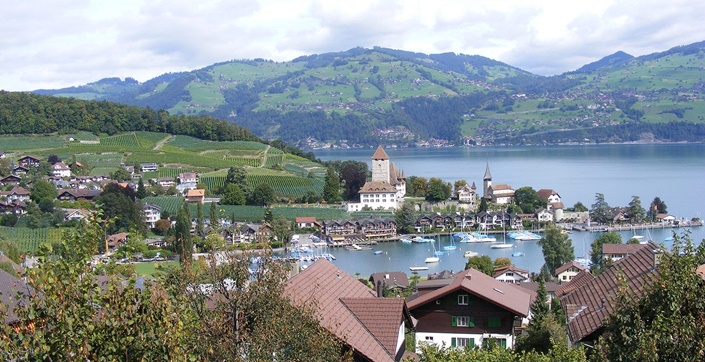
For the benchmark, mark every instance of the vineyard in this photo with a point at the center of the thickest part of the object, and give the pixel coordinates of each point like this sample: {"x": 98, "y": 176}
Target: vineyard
{"x": 22, "y": 143}
{"x": 212, "y": 182}
{"x": 170, "y": 204}
{"x": 195, "y": 145}
{"x": 287, "y": 185}
{"x": 125, "y": 140}
{"x": 149, "y": 139}
{"x": 100, "y": 159}
{"x": 28, "y": 240}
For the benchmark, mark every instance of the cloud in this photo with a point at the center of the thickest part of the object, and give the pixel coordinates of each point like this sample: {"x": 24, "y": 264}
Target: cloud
{"x": 52, "y": 44}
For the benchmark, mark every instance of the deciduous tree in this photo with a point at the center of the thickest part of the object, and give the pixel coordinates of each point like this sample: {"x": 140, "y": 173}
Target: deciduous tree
{"x": 599, "y": 263}
{"x": 483, "y": 263}
{"x": 557, "y": 248}
{"x": 600, "y": 210}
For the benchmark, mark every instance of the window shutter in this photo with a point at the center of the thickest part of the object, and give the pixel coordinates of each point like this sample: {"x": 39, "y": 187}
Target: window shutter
{"x": 452, "y": 341}
{"x": 453, "y": 321}
{"x": 472, "y": 343}
{"x": 471, "y": 324}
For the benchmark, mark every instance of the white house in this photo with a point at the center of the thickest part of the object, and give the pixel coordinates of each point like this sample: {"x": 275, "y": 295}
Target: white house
{"x": 511, "y": 275}
{"x": 60, "y": 169}
{"x": 467, "y": 194}
{"x": 149, "y": 167}
{"x": 188, "y": 177}
{"x": 568, "y": 271}
{"x": 152, "y": 213}
{"x": 544, "y": 215}
{"x": 550, "y": 195}
{"x": 502, "y": 194}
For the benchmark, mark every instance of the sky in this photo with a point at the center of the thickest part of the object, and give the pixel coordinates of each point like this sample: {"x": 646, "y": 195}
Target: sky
{"x": 48, "y": 44}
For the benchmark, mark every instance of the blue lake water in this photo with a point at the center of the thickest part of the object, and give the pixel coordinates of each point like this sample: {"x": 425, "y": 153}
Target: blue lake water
{"x": 673, "y": 172}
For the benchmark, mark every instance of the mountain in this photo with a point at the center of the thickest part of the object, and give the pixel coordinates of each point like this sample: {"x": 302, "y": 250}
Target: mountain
{"x": 369, "y": 96}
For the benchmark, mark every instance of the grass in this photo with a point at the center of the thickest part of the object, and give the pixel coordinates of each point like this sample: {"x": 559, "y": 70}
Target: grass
{"x": 148, "y": 269}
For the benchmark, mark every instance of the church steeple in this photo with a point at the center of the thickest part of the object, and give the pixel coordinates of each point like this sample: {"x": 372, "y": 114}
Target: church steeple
{"x": 487, "y": 183}
{"x": 487, "y": 176}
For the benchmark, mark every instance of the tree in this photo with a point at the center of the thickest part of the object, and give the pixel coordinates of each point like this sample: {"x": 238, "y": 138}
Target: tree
{"x": 268, "y": 215}
{"x": 528, "y": 200}
{"x": 232, "y": 195}
{"x": 182, "y": 234}
{"x": 353, "y": 175}
{"x": 213, "y": 215}
{"x": 5, "y": 166}
{"x": 635, "y": 211}
{"x": 199, "y": 220}
{"x": 438, "y": 190}
{"x": 418, "y": 186}
{"x": 53, "y": 159}
{"x": 281, "y": 230}
{"x": 502, "y": 263}
{"x": 331, "y": 188}
{"x": 557, "y": 248}
{"x": 162, "y": 226}
{"x": 141, "y": 190}
{"x": 263, "y": 194}
{"x": 579, "y": 207}
{"x": 9, "y": 248}
{"x": 483, "y": 205}
{"x": 483, "y": 263}
{"x": 657, "y": 207}
{"x": 121, "y": 204}
{"x": 459, "y": 184}
{"x": 120, "y": 175}
{"x": 238, "y": 176}
{"x": 42, "y": 190}
{"x": 600, "y": 210}
{"x": 664, "y": 323}
{"x": 544, "y": 330}
{"x": 405, "y": 217}
{"x": 599, "y": 263}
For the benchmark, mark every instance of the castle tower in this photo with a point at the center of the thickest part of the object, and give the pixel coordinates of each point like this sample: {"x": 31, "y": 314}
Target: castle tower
{"x": 380, "y": 165}
{"x": 487, "y": 183}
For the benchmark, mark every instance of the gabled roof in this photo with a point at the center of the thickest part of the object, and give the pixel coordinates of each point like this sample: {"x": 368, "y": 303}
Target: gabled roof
{"x": 578, "y": 281}
{"x": 390, "y": 279}
{"x": 377, "y": 187}
{"x": 511, "y": 268}
{"x": 587, "y": 307}
{"x": 305, "y": 219}
{"x": 349, "y": 309}
{"x": 545, "y": 193}
{"x": 196, "y": 193}
{"x": 380, "y": 154}
{"x": 621, "y": 248}
{"x": 501, "y": 187}
{"x": 568, "y": 265}
{"x": 504, "y": 295}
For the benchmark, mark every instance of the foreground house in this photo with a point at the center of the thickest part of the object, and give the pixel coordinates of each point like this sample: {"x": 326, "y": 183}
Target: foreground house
{"x": 370, "y": 326}
{"x": 588, "y": 306}
{"x": 470, "y": 309}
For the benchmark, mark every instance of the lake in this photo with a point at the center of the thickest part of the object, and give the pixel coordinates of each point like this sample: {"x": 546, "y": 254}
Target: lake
{"x": 673, "y": 172}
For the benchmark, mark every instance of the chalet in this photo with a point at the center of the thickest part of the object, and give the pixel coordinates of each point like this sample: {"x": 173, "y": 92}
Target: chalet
{"x": 20, "y": 170}
{"x": 588, "y": 306}
{"x": 370, "y": 327}
{"x": 548, "y": 194}
{"x": 149, "y": 167}
{"x": 188, "y": 177}
{"x": 28, "y": 161}
{"x": 618, "y": 214}
{"x": 544, "y": 215}
{"x": 78, "y": 194}
{"x": 130, "y": 170}
{"x": 10, "y": 180}
{"x": 390, "y": 280}
{"x": 568, "y": 271}
{"x": 116, "y": 240}
{"x": 307, "y": 222}
{"x": 252, "y": 233}
{"x": 13, "y": 207}
{"x": 616, "y": 252}
{"x": 60, "y": 169}
{"x": 152, "y": 213}
{"x": 16, "y": 194}
{"x": 337, "y": 230}
{"x": 377, "y": 227}
{"x": 511, "y": 274}
{"x": 469, "y": 310}
{"x": 197, "y": 195}
{"x": 76, "y": 214}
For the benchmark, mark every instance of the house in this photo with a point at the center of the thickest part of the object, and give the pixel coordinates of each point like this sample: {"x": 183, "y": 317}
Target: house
{"x": 17, "y": 194}
{"x": 387, "y": 188}
{"x": 665, "y": 219}
{"x": 502, "y": 194}
{"x": 468, "y": 194}
{"x": 76, "y": 214}
{"x": 10, "y": 180}
{"x": 197, "y": 195}
{"x": 252, "y": 233}
{"x": 548, "y": 194}
{"x": 390, "y": 280}
{"x": 307, "y": 222}
{"x": 116, "y": 240}
{"x": 78, "y": 194}
{"x": 568, "y": 271}
{"x": 188, "y": 177}
{"x": 578, "y": 281}
{"x": 511, "y": 274}
{"x": 544, "y": 215}
{"x": 152, "y": 213}
{"x": 616, "y": 252}
{"x": 471, "y": 309}
{"x": 20, "y": 170}
{"x": 370, "y": 327}
{"x": 60, "y": 169}
{"x": 166, "y": 182}
{"x": 129, "y": 169}
{"x": 551, "y": 288}
{"x": 588, "y": 306}
{"x": 27, "y": 161}
{"x": 149, "y": 167}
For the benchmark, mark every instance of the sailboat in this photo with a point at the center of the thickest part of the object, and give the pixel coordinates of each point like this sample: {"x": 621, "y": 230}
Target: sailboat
{"x": 504, "y": 244}
{"x": 451, "y": 246}
{"x": 438, "y": 252}
{"x": 434, "y": 258}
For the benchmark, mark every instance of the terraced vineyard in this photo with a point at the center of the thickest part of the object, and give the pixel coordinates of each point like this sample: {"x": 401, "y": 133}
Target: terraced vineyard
{"x": 170, "y": 204}
{"x": 28, "y": 240}
{"x": 125, "y": 140}
{"x": 287, "y": 185}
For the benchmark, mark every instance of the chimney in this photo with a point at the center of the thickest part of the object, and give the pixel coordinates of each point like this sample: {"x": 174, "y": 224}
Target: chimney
{"x": 379, "y": 289}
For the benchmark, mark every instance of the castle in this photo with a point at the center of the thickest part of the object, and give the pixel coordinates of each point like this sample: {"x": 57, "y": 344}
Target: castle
{"x": 387, "y": 188}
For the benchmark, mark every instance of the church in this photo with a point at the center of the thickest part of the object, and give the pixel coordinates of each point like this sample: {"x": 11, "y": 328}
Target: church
{"x": 387, "y": 188}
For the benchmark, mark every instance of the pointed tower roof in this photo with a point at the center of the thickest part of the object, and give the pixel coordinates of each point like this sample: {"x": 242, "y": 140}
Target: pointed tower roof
{"x": 488, "y": 176}
{"x": 380, "y": 154}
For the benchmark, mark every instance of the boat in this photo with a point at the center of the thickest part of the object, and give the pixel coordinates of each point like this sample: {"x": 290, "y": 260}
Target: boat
{"x": 518, "y": 253}
{"x": 483, "y": 238}
{"x": 378, "y": 252}
{"x": 449, "y": 247}
{"x": 420, "y": 239}
{"x": 504, "y": 244}
{"x": 418, "y": 268}
{"x": 470, "y": 253}
{"x": 355, "y": 247}
{"x": 405, "y": 240}
{"x": 434, "y": 258}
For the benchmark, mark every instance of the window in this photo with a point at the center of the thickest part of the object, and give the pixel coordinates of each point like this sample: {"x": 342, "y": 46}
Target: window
{"x": 462, "y": 342}
{"x": 463, "y": 299}
{"x": 494, "y": 322}
{"x": 462, "y": 321}
{"x": 438, "y": 302}
{"x": 487, "y": 342}
{"x": 429, "y": 338}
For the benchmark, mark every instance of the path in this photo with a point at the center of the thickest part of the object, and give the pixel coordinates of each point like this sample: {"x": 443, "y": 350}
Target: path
{"x": 162, "y": 142}
{"x": 264, "y": 157}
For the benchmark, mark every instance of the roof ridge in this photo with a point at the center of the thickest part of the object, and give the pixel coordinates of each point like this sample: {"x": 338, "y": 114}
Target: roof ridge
{"x": 357, "y": 318}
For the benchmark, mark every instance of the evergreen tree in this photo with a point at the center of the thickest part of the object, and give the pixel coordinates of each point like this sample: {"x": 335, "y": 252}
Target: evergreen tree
{"x": 600, "y": 210}
{"x": 331, "y": 188}
{"x": 405, "y": 217}
{"x": 141, "y": 190}
{"x": 238, "y": 176}
{"x": 199, "y": 220}
{"x": 213, "y": 216}
{"x": 483, "y": 205}
{"x": 635, "y": 211}
{"x": 182, "y": 234}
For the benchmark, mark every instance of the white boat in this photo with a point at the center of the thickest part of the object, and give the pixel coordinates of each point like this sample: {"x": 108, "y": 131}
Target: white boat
{"x": 502, "y": 246}
{"x": 470, "y": 254}
{"x": 432, "y": 259}
{"x": 418, "y": 268}
{"x": 405, "y": 241}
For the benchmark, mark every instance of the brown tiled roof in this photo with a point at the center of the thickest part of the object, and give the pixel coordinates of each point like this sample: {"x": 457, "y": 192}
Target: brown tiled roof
{"x": 305, "y": 219}
{"x": 587, "y": 307}
{"x": 501, "y": 187}
{"x": 380, "y": 154}
{"x": 621, "y": 248}
{"x": 507, "y": 296}
{"x": 511, "y": 268}
{"x": 551, "y": 287}
{"x": 341, "y": 301}
{"x": 377, "y": 186}
{"x": 9, "y": 286}
{"x": 568, "y": 265}
{"x": 390, "y": 279}
{"x": 545, "y": 193}
{"x": 578, "y": 281}
{"x": 196, "y": 193}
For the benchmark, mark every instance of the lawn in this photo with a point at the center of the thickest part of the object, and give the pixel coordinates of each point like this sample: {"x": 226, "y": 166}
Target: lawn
{"x": 150, "y": 268}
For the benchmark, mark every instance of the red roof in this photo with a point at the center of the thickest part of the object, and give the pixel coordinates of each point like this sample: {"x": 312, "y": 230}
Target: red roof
{"x": 578, "y": 281}
{"x": 568, "y": 265}
{"x": 504, "y": 295}
{"x": 621, "y": 248}
{"x": 377, "y": 187}
{"x": 380, "y": 154}
{"x": 349, "y": 309}
{"x": 305, "y": 219}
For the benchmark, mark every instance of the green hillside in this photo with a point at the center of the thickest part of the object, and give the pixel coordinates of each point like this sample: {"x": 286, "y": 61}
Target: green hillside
{"x": 379, "y": 95}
